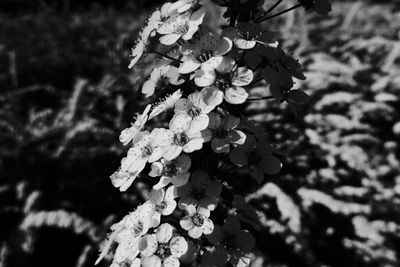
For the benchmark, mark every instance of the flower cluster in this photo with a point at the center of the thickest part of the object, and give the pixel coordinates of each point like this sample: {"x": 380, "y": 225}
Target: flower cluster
{"x": 189, "y": 217}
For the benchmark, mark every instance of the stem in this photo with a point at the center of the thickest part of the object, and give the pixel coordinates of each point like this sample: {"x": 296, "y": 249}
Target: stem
{"x": 269, "y": 10}
{"x": 261, "y": 98}
{"x": 166, "y": 56}
{"x": 280, "y": 13}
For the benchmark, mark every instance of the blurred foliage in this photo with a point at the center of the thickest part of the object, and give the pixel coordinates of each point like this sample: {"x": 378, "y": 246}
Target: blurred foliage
{"x": 66, "y": 93}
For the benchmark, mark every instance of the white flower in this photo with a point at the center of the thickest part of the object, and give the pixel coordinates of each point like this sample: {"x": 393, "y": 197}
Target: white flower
{"x": 205, "y": 53}
{"x": 163, "y": 203}
{"x": 131, "y": 133}
{"x": 168, "y": 72}
{"x": 181, "y": 26}
{"x": 139, "y": 154}
{"x": 182, "y": 135}
{"x": 162, "y": 248}
{"x": 196, "y": 222}
{"x": 175, "y": 171}
{"x": 230, "y": 80}
{"x": 184, "y": 5}
{"x": 165, "y": 104}
{"x": 196, "y": 108}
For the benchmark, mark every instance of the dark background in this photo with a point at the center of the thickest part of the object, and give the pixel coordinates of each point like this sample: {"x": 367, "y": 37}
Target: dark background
{"x": 66, "y": 93}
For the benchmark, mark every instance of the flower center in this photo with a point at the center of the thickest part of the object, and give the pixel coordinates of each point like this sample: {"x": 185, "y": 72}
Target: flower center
{"x": 163, "y": 250}
{"x": 138, "y": 229}
{"x": 194, "y": 112}
{"x": 160, "y": 207}
{"x": 171, "y": 170}
{"x": 147, "y": 151}
{"x": 181, "y": 139}
{"x": 197, "y": 220}
{"x": 223, "y": 81}
{"x": 204, "y": 56}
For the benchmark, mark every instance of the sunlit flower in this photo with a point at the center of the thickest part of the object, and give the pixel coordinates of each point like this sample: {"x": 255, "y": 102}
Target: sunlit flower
{"x": 181, "y": 26}
{"x": 162, "y": 248}
{"x": 205, "y": 53}
{"x": 127, "y": 234}
{"x": 163, "y": 202}
{"x": 247, "y": 35}
{"x": 139, "y": 154}
{"x": 231, "y": 243}
{"x": 182, "y": 135}
{"x": 131, "y": 133}
{"x": 181, "y": 6}
{"x": 195, "y": 107}
{"x": 201, "y": 191}
{"x": 224, "y": 132}
{"x": 167, "y": 103}
{"x": 230, "y": 80}
{"x": 175, "y": 172}
{"x": 196, "y": 222}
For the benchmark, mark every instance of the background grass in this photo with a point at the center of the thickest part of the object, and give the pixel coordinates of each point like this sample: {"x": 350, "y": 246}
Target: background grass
{"x": 66, "y": 93}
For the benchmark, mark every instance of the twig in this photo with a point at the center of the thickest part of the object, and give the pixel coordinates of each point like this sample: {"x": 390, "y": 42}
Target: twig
{"x": 260, "y": 98}
{"x": 269, "y": 10}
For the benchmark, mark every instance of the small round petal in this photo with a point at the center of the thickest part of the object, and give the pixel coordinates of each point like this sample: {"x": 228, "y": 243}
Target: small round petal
{"x": 236, "y": 95}
{"x": 230, "y": 122}
{"x": 178, "y": 246}
{"x": 171, "y": 262}
{"x": 183, "y": 105}
{"x": 148, "y": 245}
{"x": 242, "y": 76}
{"x": 219, "y": 255}
{"x": 223, "y": 47}
{"x": 212, "y": 64}
{"x": 220, "y": 145}
{"x": 162, "y": 137}
{"x": 212, "y": 96}
{"x": 172, "y": 152}
{"x": 171, "y": 205}
{"x": 245, "y": 44}
{"x": 186, "y": 223}
{"x": 208, "y": 226}
{"x": 156, "y": 169}
{"x": 195, "y": 232}
{"x": 206, "y": 135}
{"x": 156, "y": 196}
{"x": 189, "y": 65}
{"x": 164, "y": 181}
{"x": 193, "y": 145}
{"x": 200, "y": 179}
{"x": 152, "y": 261}
{"x": 270, "y": 165}
{"x": 170, "y": 38}
{"x": 209, "y": 203}
{"x": 155, "y": 219}
{"x": 156, "y": 155}
{"x": 171, "y": 193}
{"x": 239, "y": 157}
{"x": 227, "y": 65}
{"x": 187, "y": 203}
{"x": 164, "y": 233}
{"x": 203, "y": 211}
{"x": 198, "y": 124}
{"x": 136, "y": 263}
{"x": 214, "y": 120}
{"x": 190, "y": 254}
{"x": 236, "y": 137}
{"x": 180, "y": 180}
{"x": 213, "y": 189}
{"x": 180, "y": 122}
{"x": 204, "y": 78}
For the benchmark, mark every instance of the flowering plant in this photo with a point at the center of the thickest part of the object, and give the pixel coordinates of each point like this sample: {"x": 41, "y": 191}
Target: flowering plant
{"x": 195, "y": 214}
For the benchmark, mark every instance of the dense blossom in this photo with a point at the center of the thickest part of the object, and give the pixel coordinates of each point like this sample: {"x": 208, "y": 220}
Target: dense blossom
{"x": 193, "y": 210}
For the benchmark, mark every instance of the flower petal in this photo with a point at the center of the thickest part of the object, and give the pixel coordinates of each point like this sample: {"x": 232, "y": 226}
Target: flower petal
{"x": 180, "y": 180}
{"x": 212, "y": 63}
{"x": 156, "y": 196}
{"x": 209, "y": 203}
{"x": 152, "y": 261}
{"x": 223, "y": 47}
{"x": 148, "y": 245}
{"x": 226, "y": 66}
{"x": 204, "y": 78}
{"x": 189, "y": 65}
{"x": 178, "y": 246}
{"x": 164, "y": 232}
{"x": 212, "y": 96}
{"x": 208, "y": 226}
{"x": 170, "y": 38}
{"x": 245, "y": 44}
{"x": 215, "y": 120}
{"x": 217, "y": 236}
{"x": 236, "y": 95}
{"x": 186, "y": 223}
{"x": 242, "y": 76}
{"x": 183, "y": 105}
{"x": 171, "y": 205}
{"x": 187, "y": 203}
{"x": 180, "y": 122}
{"x": 193, "y": 145}
{"x": 236, "y": 137}
{"x": 195, "y": 232}
{"x": 172, "y": 152}
{"x": 156, "y": 169}
{"x": 171, "y": 261}
{"x": 232, "y": 225}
